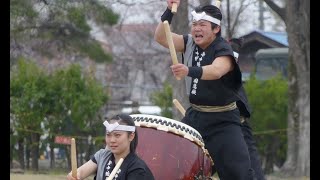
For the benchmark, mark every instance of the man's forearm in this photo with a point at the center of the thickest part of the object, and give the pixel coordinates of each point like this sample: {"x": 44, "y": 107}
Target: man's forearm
{"x": 160, "y": 35}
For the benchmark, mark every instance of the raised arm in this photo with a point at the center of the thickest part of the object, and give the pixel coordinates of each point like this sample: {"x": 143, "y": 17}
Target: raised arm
{"x": 160, "y": 35}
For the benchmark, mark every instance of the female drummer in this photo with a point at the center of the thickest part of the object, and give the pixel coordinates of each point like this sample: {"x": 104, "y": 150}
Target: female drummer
{"x": 121, "y": 139}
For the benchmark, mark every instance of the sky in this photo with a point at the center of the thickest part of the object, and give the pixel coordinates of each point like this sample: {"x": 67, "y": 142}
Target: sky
{"x": 149, "y": 11}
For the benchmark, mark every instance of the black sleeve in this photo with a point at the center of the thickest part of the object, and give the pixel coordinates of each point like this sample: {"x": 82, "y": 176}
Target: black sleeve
{"x": 233, "y": 78}
{"x": 93, "y": 159}
{"x": 243, "y": 103}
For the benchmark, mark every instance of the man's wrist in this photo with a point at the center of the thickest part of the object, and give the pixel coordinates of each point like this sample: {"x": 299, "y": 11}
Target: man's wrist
{"x": 167, "y": 16}
{"x": 195, "y": 72}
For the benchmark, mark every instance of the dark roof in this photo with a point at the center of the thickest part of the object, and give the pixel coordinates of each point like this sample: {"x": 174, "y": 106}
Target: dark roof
{"x": 279, "y": 38}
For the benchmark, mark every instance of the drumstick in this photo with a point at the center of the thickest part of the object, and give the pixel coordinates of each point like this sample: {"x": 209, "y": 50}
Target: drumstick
{"x": 73, "y": 158}
{"x": 114, "y": 171}
{"x": 174, "y": 8}
{"x": 170, "y": 43}
{"x": 218, "y": 3}
{"x": 179, "y": 106}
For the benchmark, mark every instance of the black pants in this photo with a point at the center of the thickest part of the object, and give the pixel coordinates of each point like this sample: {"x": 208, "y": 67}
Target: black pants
{"x": 254, "y": 155}
{"x": 253, "y": 152}
{"x": 225, "y": 142}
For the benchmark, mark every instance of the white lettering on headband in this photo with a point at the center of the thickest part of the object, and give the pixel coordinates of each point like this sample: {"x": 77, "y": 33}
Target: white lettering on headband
{"x": 117, "y": 127}
{"x": 204, "y": 16}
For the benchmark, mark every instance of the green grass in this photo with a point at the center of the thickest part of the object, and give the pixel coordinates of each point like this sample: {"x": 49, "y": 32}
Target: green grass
{"x": 50, "y": 176}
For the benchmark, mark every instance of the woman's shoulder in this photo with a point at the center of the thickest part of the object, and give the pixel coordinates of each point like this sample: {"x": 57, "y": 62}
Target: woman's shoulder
{"x": 103, "y": 153}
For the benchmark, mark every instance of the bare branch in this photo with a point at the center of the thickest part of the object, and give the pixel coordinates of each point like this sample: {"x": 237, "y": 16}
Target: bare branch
{"x": 277, "y": 9}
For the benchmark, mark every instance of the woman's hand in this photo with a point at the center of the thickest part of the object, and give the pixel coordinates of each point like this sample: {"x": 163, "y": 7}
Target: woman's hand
{"x": 70, "y": 177}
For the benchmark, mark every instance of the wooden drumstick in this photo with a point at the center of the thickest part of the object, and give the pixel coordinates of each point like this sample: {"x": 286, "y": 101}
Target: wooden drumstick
{"x": 218, "y": 3}
{"x": 170, "y": 43}
{"x": 179, "y": 106}
{"x": 174, "y": 8}
{"x": 73, "y": 158}
{"x": 114, "y": 171}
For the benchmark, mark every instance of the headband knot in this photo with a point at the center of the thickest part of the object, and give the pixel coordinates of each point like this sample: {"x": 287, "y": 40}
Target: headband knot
{"x": 198, "y": 16}
{"x": 117, "y": 127}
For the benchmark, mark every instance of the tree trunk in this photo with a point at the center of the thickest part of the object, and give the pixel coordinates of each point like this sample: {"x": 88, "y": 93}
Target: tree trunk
{"x": 52, "y": 156}
{"x": 298, "y": 29}
{"x": 68, "y": 150}
{"x": 89, "y": 152}
{"x": 35, "y": 138}
{"x": 80, "y": 145}
{"x": 28, "y": 140}
{"x": 269, "y": 160}
{"x": 180, "y": 25}
{"x": 205, "y": 2}
{"x": 21, "y": 153}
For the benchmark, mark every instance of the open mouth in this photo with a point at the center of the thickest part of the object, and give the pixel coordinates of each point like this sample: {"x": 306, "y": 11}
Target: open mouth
{"x": 198, "y": 37}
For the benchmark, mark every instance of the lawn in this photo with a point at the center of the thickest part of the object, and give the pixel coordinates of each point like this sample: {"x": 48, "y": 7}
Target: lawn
{"x": 41, "y": 177}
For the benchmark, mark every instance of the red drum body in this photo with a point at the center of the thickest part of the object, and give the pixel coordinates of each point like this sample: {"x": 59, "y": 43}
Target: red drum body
{"x": 171, "y": 149}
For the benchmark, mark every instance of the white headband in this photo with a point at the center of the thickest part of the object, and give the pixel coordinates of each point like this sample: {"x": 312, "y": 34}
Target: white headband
{"x": 235, "y": 54}
{"x": 204, "y": 16}
{"x": 117, "y": 127}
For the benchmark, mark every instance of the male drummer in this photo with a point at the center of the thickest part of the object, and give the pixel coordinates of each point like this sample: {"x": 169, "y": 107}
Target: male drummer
{"x": 213, "y": 79}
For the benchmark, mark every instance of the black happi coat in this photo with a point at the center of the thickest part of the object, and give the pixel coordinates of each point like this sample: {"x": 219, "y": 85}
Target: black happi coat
{"x": 218, "y": 92}
{"x": 132, "y": 168}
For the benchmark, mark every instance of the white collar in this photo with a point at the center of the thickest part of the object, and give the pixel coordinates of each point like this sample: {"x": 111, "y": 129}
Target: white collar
{"x": 204, "y": 16}
{"x": 117, "y": 127}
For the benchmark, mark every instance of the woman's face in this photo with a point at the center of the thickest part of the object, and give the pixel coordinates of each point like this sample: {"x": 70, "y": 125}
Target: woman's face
{"x": 119, "y": 142}
{"x": 202, "y": 33}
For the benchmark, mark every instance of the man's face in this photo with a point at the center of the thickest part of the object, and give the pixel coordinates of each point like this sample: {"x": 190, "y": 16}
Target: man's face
{"x": 202, "y": 33}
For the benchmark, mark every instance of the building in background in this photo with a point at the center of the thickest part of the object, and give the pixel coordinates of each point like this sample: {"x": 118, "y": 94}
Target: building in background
{"x": 254, "y": 41}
